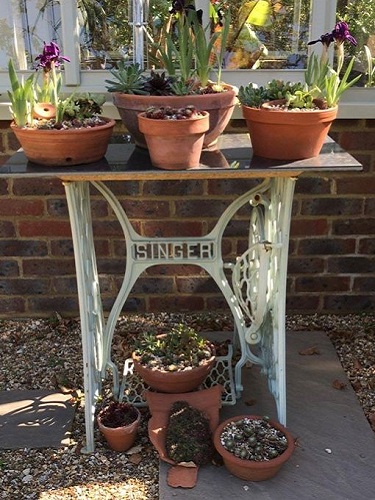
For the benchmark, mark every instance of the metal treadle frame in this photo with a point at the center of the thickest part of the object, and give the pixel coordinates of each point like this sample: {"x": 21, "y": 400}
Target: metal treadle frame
{"x": 255, "y": 295}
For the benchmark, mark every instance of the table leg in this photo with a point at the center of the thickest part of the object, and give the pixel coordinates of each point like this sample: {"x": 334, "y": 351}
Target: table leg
{"x": 91, "y": 312}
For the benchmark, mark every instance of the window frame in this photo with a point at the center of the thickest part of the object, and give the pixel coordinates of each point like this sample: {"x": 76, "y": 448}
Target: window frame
{"x": 355, "y": 103}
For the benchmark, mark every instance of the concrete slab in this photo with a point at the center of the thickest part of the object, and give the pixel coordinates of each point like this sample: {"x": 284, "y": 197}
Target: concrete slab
{"x": 35, "y": 419}
{"x": 319, "y": 416}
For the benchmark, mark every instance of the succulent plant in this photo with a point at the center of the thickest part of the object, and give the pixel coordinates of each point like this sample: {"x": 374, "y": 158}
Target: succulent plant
{"x": 158, "y": 83}
{"x": 129, "y": 79}
{"x": 176, "y": 350}
{"x": 188, "y": 435}
{"x": 253, "y": 96}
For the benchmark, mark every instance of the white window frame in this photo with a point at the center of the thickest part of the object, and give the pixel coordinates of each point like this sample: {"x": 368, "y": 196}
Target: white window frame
{"x": 355, "y": 103}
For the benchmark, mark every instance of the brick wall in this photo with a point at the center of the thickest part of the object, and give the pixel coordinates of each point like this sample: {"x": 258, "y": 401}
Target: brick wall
{"x": 331, "y": 264}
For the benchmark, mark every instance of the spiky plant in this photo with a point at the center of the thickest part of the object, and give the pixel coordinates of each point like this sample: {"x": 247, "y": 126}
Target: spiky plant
{"x": 129, "y": 79}
{"x": 158, "y": 83}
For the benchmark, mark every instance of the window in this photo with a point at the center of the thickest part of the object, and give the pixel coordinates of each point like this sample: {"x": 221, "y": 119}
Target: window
{"x": 95, "y": 34}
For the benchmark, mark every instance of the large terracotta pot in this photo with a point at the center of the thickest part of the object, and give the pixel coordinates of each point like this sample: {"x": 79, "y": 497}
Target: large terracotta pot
{"x": 173, "y": 382}
{"x": 174, "y": 144}
{"x": 120, "y": 438}
{"x": 250, "y": 470}
{"x": 287, "y": 135}
{"x": 219, "y": 105}
{"x": 65, "y": 148}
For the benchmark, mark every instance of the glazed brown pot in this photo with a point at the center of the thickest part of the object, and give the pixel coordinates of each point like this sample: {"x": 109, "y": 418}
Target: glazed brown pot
{"x": 120, "y": 438}
{"x": 173, "y": 382}
{"x": 287, "y": 135}
{"x": 65, "y": 148}
{"x": 174, "y": 144}
{"x": 219, "y": 105}
{"x": 250, "y": 470}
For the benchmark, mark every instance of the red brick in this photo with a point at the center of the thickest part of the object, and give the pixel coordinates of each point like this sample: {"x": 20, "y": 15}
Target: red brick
{"x": 176, "y": 303}
{"x": 322, "y": 284}
{"x": 360, "y": 184}
{"x": 45, "y": 227}
{"x": 172, "y": 228}
{"x": 309, "y": 227}
{"x": 20, "y": 206}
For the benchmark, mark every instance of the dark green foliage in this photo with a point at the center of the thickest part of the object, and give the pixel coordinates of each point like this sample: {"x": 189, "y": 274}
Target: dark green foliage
{"x": 158, "y": 84}
{"x": 188, "y": 437}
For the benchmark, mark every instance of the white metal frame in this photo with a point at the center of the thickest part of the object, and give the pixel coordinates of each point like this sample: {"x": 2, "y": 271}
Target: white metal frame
{"x": 255, "y": 295}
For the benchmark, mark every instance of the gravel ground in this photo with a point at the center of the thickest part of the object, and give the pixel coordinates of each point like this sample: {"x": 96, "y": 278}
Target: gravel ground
{"x": 29, "y": 346}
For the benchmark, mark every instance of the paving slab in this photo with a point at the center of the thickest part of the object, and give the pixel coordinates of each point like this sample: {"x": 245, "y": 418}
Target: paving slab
{"x": 320, "y": 417}
{"x": 35, "y": 419}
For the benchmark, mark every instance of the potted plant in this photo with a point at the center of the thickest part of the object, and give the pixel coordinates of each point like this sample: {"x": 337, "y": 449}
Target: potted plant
{"x": 253, "y": 448}
{"x": 194, "y": 423}
{"x": 174, "y": 362}
{"x": 119, "y": 423}
{"x": 168, "y": 130}
{"x": 296, "y": 127}
{"x": 54, "y": 131}
{"x": 185, "y": 64}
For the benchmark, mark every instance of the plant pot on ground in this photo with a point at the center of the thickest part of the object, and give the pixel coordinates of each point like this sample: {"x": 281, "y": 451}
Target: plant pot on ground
{"x": 54, "y": 131}
{"x": 207, "y": 401}
{"x": 174, "y": 136}
{"x": 253, "y": 448}
{"x": 119, "y": 423}
{"x": 185, "y": 62}
{"x": 174, "y": 362}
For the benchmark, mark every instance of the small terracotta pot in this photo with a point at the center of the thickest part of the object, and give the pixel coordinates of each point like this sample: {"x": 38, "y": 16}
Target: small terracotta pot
{"x": 250, "y": 470}
{"x": 287, "y": 135}
{"x": 173, "y": 382}
{"x": 120, "y": 438}
{"x": 174, "y": 144}
{"x": 65, "y": 148}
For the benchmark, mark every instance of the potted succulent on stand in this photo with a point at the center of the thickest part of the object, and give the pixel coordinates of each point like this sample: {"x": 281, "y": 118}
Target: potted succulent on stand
{"x": 296, "y": 125}
{"x": 119, "y": 423}
{"x": 168, "y": 130}
{"x": 253, "y": 448}
{"x": 54, "y": 131}
{"x": 185, "y": 65}
{"x": 174, "y": 362}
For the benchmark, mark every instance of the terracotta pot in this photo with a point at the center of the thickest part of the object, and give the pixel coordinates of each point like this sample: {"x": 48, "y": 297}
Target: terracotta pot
{"x": 174, "y": 144}
{"x": 65, "y": 148}
{"x": 173, "y": 382}
{"x": 250, "y": 470}
{"x": 206, "y": 400}
{"x": 220, "y": 107}
{"x": 120, "y": 438}
{"x": 288, "y": 135}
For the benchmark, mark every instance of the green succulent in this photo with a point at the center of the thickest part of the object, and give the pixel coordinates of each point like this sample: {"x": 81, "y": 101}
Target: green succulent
{"x": 129, "y": 79}
{"x": 253, "y": 96}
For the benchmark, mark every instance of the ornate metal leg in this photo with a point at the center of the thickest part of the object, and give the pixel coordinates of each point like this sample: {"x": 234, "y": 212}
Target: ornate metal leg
{"x": 91, "y": 312}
